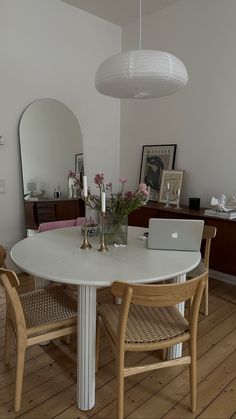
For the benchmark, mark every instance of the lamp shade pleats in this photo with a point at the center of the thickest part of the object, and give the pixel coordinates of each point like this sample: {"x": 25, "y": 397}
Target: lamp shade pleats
{"x": 141, "y": 74}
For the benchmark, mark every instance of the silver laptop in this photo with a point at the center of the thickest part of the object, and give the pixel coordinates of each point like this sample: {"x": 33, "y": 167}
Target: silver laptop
{"x": 174, "y": 234}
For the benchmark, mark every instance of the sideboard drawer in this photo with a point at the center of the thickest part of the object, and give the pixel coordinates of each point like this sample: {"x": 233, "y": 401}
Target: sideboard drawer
{"x": 38, "y": 212}
{"x": 46, "y": 212}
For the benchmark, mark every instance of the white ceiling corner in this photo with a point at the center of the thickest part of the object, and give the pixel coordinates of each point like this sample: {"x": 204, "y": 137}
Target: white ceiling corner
{"x": 120, "y": 12}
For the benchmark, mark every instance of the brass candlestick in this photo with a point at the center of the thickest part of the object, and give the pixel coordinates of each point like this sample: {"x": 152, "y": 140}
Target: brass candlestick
{"x": 103, "y": 247}
{"x": 85, "y": 245}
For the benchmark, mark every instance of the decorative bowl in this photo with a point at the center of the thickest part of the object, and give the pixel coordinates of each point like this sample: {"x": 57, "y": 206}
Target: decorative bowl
{"x": 93, "y": 230}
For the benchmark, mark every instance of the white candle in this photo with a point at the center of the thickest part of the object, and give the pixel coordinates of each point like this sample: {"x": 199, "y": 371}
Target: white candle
{"x": 85, "y": 185}
{"x": 103, "y": 201}
{"x": 168, "y": 186}
{"x": 178, "y": 192}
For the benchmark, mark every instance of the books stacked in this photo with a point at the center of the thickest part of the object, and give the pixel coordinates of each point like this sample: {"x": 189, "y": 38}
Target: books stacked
{"x": 227, "y": 215}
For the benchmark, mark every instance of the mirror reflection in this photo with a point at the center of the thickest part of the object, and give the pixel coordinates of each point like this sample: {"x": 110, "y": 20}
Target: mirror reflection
{"x": 50, "y": 138}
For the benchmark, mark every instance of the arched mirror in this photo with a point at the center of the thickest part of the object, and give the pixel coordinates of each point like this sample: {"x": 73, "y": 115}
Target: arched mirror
{"x": 50, "y": 142}
{"x": 50, "y": 138}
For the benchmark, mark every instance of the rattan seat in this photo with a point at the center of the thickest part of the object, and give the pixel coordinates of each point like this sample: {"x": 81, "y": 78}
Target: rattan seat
{"x": 48, "y": 305}
{"x": 145, "y": 324}
{"x": 199, "y": 270}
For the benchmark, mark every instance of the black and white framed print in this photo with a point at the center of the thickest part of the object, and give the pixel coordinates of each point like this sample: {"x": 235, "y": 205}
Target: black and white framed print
{"x": 155, "y": 159}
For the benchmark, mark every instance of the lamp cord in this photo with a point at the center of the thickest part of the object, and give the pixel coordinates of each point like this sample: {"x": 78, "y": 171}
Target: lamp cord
{"x": 140, "y": 24}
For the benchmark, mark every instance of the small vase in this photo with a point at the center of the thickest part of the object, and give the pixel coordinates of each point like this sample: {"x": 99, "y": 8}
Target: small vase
{"x": 71, "y": 187}
{"x": 116, "y": 229}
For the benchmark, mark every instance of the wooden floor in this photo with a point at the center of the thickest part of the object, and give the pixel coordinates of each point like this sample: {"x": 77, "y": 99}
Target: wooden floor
{"x": 49, "y": 389}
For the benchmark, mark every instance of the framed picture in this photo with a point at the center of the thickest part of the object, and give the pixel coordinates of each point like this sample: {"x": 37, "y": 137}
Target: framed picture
{"x": 155, "y": 159}
{"x": 171, "y": 182}
{"x": 79, "y": 164}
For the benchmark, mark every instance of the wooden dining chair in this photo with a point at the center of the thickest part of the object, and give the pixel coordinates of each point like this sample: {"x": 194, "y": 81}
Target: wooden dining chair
{"x": 32, "y": 318}
{"x": 209, "y": 232}
{"x": 148, "y": 320}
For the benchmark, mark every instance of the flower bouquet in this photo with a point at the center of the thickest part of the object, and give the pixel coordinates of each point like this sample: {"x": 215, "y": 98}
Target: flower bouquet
{"x": 118, "y": 207}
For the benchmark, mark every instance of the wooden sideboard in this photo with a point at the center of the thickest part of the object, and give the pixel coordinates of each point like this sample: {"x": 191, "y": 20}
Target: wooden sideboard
{"x": 223, "y": 247}
{"x": 42, "y": 211}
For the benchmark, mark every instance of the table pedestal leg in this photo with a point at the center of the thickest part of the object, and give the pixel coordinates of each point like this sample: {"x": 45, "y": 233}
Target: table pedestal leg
{"x": 86, "y": 347}
{"x": 175, "y": 351}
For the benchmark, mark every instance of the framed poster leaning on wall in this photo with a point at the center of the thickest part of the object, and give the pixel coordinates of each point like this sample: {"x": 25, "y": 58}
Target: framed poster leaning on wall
{"x": 155, "y": 159}
{"x": 171, "y": 183}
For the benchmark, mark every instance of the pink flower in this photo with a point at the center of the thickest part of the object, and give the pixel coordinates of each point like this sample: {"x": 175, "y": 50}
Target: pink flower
{"x": 109, "y": 186}
{"x": 71, "y": 174}
{"x": 143, "y": 189}
{"x": 129, "y": 195}
{"x": 99, "y": 178}
{"x": 123, "y": 180}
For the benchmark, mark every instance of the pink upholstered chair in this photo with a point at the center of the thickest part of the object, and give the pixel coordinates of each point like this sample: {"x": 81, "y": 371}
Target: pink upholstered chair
{"x": 80, "y": 221}
{"x": 52, "y": 225}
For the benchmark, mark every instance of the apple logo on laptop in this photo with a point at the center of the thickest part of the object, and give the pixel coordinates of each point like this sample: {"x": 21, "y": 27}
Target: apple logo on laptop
{"x": 174, "y": 235}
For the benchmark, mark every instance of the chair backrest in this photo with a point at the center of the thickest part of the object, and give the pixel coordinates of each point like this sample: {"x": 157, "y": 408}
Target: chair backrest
{"x": 3, "y": 255}
{"x": 52, "y": 225}
{"x": 160, "y": 295}
{"x": 209, "y": 232}
{"x": 15, "y": 312}
{"x": 80, "y": 221}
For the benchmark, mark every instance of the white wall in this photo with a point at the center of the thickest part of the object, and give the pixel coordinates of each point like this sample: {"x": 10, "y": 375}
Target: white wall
{"x": 51, "y": 49}
{"x": 201, "y": 117}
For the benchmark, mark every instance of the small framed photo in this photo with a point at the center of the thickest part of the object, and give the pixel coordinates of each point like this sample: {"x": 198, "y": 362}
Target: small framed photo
{"x": 79, "y": 164}
{"x": 171, "y": 183}
{"x": 155, "y": 159}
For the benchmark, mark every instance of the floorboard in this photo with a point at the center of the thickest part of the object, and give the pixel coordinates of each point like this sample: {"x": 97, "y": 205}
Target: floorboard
{"x": 49, "y": 388}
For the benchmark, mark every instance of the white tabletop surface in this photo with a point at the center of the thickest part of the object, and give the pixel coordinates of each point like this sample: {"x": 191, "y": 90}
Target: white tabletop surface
{"x": 56, "y": 255}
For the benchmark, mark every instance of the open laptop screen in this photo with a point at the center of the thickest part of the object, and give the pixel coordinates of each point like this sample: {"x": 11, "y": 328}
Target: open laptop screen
{"x": 175, "y": 234}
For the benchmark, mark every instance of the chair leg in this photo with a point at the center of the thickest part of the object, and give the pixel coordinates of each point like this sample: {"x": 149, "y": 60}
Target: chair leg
{"x": 193, "y": 376}
{"x": 164, "y": 354}
{"x": 98, "y": 338}
{"x": 20, "y": 360}
{"x": 120, "y": 387}
{"x": 206, "y": 297}
{"x": 7, "y": 346}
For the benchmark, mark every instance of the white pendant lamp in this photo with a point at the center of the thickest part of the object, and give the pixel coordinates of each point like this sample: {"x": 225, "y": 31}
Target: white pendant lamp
{"x": 141, "y": 74}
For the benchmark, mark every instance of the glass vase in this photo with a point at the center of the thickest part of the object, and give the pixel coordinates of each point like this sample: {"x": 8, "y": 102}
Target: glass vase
{"x": 116, "y": 229}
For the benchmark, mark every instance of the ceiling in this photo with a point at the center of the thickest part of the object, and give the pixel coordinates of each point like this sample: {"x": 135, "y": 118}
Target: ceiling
{"x": 120, "y": 12}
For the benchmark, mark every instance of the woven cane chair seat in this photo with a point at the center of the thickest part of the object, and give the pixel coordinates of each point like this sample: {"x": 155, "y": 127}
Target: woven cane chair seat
{"x": 145, "y": 324}
{"x": 48, "y": 305}
{"x": 199, "y": 270}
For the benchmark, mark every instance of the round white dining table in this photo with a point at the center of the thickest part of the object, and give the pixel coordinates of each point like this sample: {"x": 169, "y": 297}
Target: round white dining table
{"x": 56, "y": 256}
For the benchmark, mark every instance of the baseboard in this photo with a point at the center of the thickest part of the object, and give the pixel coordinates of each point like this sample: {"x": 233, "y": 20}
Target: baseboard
{"x": 221, "y": 276}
